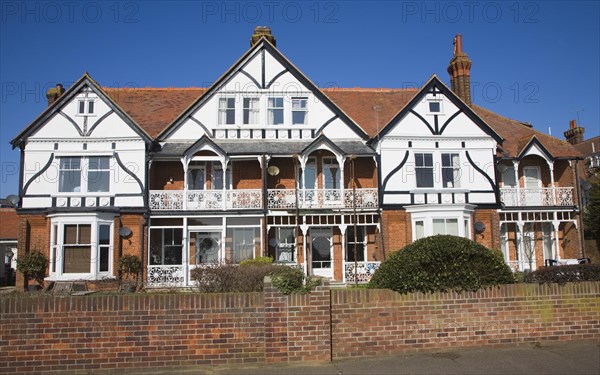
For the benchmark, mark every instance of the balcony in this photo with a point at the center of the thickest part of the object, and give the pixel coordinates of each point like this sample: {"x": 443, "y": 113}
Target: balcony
{"x": 205, "y": 200}
{"x": 282, "y": 199}
{"x": 558, "y": 196}
{"x": 278, "y": 199}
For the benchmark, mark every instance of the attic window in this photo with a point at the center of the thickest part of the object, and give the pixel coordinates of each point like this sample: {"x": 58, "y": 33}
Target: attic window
{"x": 85, "y": 107}
{"x": 435, "y": 107}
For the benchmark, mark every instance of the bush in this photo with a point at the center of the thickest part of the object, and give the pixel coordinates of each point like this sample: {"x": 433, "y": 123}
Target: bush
{"x": 33, "y": 265}
{"x": 565, "y": 274}
{"x": 256, "y": 261}
{"x": 130, "y": 265}
{"x": 442, "y": 263}
{"x": 227, "y": 278}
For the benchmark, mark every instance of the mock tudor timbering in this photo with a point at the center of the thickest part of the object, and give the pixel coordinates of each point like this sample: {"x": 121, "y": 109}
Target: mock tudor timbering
{"x": 314, "y": 178}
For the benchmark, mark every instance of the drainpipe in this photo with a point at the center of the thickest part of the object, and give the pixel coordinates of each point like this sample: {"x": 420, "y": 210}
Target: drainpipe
{"x": 580, "y": 211}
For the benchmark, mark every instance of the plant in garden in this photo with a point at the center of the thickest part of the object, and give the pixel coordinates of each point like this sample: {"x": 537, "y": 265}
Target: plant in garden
{"x": 33, "y": 265}
{"x": 442, "y": 263}
{"x": 130, "y": 266}
{"x": 564, "y": 274}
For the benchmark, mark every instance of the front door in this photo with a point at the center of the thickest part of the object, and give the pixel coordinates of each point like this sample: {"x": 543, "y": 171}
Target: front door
{"x": 321, "y": 244}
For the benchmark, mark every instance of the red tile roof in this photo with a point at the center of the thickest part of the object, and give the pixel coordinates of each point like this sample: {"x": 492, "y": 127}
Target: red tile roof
{"x": 371, "y": 109}
{"x": 9, "y": 224}
{"x": 154, "y": 109}
{"x": 586, "y": 148}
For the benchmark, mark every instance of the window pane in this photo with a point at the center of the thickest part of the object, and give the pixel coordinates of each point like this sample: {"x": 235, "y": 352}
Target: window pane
{"x": 243, "y": 244}
{"x": 439, "y": 226}
{"x": 434, "y": 106}
{"x": 76, "y": 259}
{"x": 424, "y": 177}
{"x": 103, "y": 261}
{"x": 91, "y": 107}
{"x": 419, "y": 230}
{"x": 70, "y": 234}
{"x": 452, "y": 227}
{"x": 173, "y": 255}
{"x": 104, "y": 235}
{"x": 69, "y": 181}
{"x": 85, "y": 234}
{"x": 81, "y": 107}
{"x": 299, "y": 118}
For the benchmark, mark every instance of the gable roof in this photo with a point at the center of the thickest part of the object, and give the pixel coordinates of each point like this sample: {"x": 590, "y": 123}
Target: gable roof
{"x": 435, "y": 85}
{"x": 514, "y": 132}
{"x": 263, "y": 44}
{"x": 154, "y": 108}
{"x": 55, "y": 107}
{"x": 530, "y": 142}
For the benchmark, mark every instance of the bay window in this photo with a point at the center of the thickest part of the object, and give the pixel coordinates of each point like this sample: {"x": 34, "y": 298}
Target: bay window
{"x": 81, "y": 248}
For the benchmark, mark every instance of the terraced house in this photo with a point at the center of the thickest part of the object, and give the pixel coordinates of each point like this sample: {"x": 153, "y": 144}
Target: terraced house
{"x": 265, "y": 162}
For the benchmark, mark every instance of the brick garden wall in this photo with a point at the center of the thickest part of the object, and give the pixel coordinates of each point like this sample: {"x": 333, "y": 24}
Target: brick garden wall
{"x": 83, "y": 334}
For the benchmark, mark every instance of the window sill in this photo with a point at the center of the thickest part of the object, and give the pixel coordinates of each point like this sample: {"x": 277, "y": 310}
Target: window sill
{"x": 80, "y": 277}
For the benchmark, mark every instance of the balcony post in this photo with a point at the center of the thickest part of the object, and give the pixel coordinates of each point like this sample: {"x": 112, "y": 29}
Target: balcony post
{"x": 520, "y": 245}
{"x": 555, "y": 224}
{"x": 341, "y": 162}
{"x": 517, "y": 182}
{"x": 551, "y": 167}
{"x": 343, "y": 227}
{"x": 185, "y": 163}
{"x": 224, "y": 177}
{"x": 301, "y": 187}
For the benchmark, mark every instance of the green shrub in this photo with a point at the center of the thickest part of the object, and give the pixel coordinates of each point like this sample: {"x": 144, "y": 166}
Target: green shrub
{"x": 227, "y": 278}
{"x": 257, "y": 260}
{"x": 130, "y": 265}
{"x": 442, "y": 263}
{"x": 33, "y": 265}
{"x": 565, "y": 274}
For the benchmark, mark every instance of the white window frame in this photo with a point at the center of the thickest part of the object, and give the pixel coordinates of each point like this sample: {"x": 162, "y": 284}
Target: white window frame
{"x": 84, "y": 175}
{"x": 463, "y": 215}
{"x": 57, "y": 244}
{"x": 222, "y": 112}
{"x": 252, "y": 112}
{"x": 234, "y": 244}
{"x": 425, "y": 167}
{"x": 271, "y": 109}
{"x": 290, "y": 247}
{"x": 350, "y": 241}
{"x": 454, "y": 167}
{"x": 299, "y": 109}
{"x": 439, "y": 102}
{"x": 87, "y": 103}
{"x": 99, "y": 169}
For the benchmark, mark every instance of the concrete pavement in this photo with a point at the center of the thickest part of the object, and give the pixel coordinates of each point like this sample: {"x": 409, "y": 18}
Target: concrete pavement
{"x": 548, "y": 358}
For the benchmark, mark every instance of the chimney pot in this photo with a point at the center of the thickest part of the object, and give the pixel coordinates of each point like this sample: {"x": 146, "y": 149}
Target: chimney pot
{"x": 575, "y": 133}
{"x": 54, "y": 93}
{"x": 262, "y": 32}
{"x": 460, "y": 71}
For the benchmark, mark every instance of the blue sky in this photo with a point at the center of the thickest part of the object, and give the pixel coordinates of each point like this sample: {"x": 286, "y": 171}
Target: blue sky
{"x": 532, "y": 61}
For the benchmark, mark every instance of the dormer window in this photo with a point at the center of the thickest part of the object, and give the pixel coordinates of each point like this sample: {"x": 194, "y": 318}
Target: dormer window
{"x": 275, "y": 111}
{"x": 226, "y": 111}
{"x": 85, "y": 107}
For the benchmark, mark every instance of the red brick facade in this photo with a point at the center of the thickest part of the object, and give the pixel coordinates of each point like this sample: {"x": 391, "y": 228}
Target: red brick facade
{"x": 98, "y": 333}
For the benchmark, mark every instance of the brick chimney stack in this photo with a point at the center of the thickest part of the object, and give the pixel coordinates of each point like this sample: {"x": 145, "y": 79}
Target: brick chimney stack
{"x": 575, "y": 133}
{"x": 260, "y": 32}
{"x": 460, "y": 71}
{"x": 54, "y": 93}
